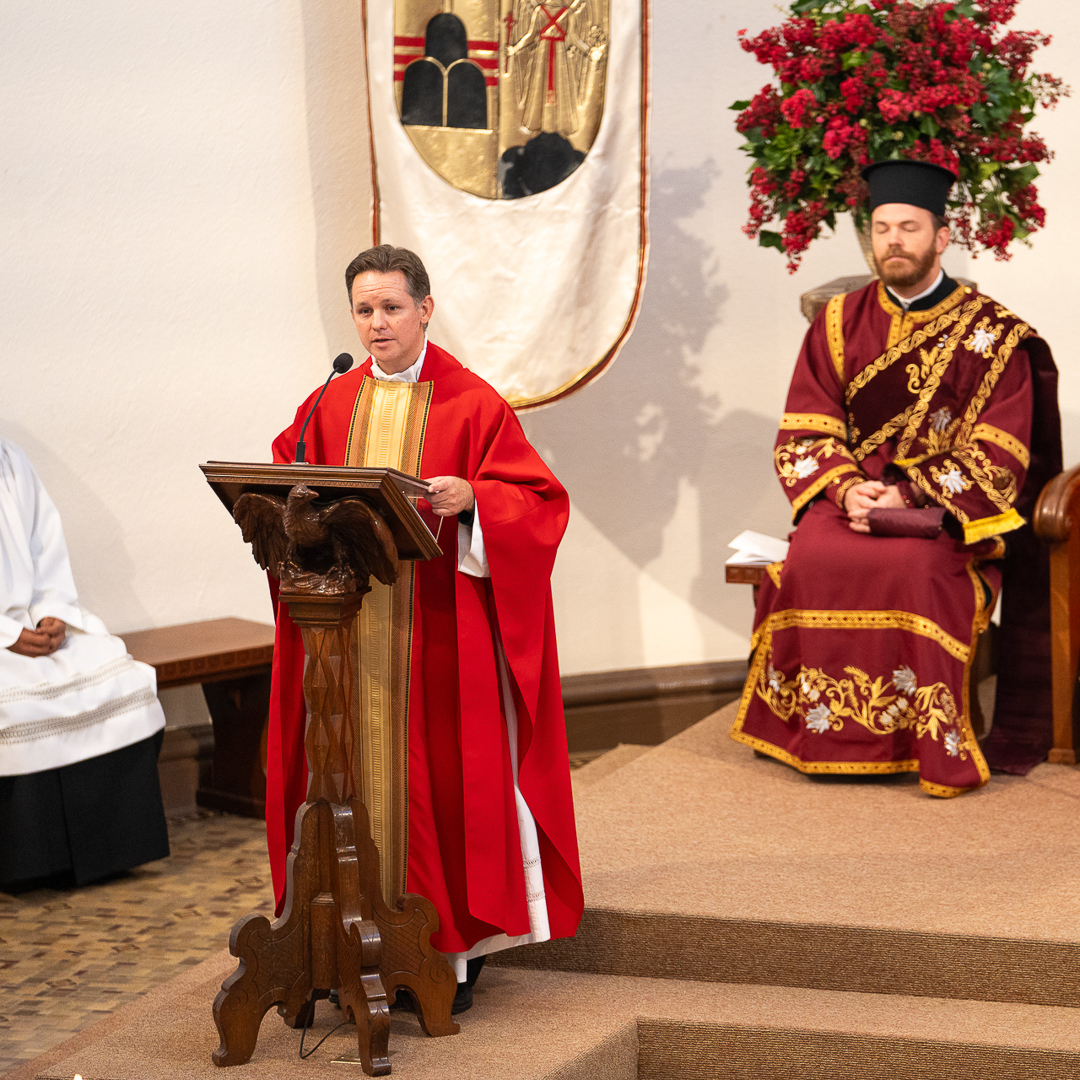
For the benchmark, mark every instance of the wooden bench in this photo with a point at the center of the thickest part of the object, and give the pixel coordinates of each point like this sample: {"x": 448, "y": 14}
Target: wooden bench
{"x": 231, "y": 659}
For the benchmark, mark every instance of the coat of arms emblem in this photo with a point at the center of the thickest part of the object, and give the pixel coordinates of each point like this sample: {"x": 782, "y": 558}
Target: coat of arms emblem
{"x": 502, "y": 98}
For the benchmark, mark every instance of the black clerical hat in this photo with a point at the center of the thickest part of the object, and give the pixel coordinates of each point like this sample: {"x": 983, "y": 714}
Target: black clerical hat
{"x": 917, "y": 183}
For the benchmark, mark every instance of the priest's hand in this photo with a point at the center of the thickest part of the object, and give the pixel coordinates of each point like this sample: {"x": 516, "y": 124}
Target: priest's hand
{"x": 450, "y": 495}
{"x": 45, "y": 640}
{"x": 867, "y": 496}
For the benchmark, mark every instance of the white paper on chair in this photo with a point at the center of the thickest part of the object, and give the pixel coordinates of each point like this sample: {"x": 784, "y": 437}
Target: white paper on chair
{"x": 757, "y": 549}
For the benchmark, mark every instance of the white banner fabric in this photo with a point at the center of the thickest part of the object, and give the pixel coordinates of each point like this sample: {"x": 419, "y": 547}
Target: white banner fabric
{"x": 537, "y": 294}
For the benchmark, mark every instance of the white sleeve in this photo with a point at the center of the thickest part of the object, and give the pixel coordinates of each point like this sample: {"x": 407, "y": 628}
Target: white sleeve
{"x": 53, "y": 588}
{"x": 471, "y": 556}
{"x": 10, "y": 630}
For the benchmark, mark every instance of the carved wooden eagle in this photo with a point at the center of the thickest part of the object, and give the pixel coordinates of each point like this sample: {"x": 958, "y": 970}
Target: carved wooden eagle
{"x": 344, "y": 543}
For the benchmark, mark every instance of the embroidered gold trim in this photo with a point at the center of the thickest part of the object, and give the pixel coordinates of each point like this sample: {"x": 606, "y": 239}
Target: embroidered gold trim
{"x": 966, "y": 743}
{"x": 903, "y": 463}
{"x": 827, "y": 425}
{"x": 867, "y": 620}
{"x": 1009, "y": 443}
{"x": 388, "y": 424}
{"x": 983, "y": 612}
{"x": 845, "y": 487}
{"x": 962, "y": 315}
{"x": 885, "y": 300}
{"x": 831, "y": 768}
{"x": 387, "y": 431}
{"x": 983, "y": 528}
{"x": 943, "y": 791}
{"x": 834, "y": 333}
{"x": 997, "y": 366}
{"x": 923, "y": 316}
{"x": 996, "y": 482}
{"x": 937, "y": 496}
{"x": 935, "y": 364}
{"x": 954, "y": 298}
{"x": 822, "y": 482}
{"x": 773, "y": 570}
{"x": 887, "y": 430}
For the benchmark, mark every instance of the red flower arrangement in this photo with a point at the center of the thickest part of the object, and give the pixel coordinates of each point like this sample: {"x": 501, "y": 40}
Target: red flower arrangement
{"x": 937, "y": 80}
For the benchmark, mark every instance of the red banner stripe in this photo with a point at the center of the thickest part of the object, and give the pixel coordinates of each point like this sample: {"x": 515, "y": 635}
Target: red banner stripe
{"x": 485, "y": 62}
{"x": 407, "y": 58}
{"x": 490, "y": 81}
{"x": 416, "y": 41}
{"x": 491, "y": 45}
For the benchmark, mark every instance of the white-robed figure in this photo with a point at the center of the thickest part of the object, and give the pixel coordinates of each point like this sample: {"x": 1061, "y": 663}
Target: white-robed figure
{"x": 80, "y": 723}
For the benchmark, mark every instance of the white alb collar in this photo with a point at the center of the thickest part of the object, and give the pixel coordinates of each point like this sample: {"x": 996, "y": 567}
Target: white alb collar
{"x": 410, "y": 374}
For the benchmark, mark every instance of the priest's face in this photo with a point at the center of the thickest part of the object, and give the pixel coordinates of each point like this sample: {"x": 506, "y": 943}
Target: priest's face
{"x": 389, "y": 321}
{"x": 907, "y": 247}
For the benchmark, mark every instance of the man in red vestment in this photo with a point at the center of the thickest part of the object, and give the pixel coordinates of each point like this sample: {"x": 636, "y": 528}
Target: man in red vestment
{"x": 920, "y": 426}
{"x": 491, "y": 836}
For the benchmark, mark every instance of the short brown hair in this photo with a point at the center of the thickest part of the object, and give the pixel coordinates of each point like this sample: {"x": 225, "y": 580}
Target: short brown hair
{"x": 386, "y": 259}
{"x": 939, "y": 222}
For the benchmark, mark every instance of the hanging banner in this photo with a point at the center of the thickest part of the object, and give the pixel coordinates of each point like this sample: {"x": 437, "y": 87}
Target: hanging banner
{"x": 509, "y": 152}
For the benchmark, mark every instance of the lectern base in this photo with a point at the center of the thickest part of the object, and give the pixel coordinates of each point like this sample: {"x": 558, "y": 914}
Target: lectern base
{"x": 336, "y": 933}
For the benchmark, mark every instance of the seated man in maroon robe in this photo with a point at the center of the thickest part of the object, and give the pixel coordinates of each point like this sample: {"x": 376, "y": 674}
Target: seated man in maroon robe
{"x": 920, "y": 426}
{"x": 491, "y": 838}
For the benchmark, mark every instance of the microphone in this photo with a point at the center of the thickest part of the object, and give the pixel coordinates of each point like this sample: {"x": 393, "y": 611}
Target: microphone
{"x": 342, "y": 363}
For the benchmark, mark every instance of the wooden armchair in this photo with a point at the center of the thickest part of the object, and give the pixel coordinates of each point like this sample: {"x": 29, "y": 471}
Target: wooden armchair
{"x": 1057, "y": 522}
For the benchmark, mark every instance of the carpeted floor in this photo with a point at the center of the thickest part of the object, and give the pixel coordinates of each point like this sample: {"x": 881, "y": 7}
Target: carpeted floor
{"x": 748, "y": 871}
{"x": 69, "y": 957}
{"x": 741, "y": 921}
{"x": 529, "y": 1025}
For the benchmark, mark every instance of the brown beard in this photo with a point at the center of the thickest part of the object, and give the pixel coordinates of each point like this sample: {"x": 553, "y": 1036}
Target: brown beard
{"x": 914, "y": 269}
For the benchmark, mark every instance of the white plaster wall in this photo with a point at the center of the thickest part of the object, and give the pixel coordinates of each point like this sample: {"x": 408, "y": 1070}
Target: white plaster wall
{"x": 169, "y": 224}
{"x": 182, "y": 186}
{"x": 669, "y": 455}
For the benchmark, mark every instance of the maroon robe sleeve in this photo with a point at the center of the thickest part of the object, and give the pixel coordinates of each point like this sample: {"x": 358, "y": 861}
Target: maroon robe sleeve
{"x": 978, "y": 477}
{"x": 811, "y": 453}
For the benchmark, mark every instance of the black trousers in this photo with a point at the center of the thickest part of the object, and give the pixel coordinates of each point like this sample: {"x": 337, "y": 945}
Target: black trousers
{"x": 82, "y": 822}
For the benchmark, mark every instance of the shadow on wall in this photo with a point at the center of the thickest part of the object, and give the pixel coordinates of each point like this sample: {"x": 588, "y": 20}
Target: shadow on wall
{"x": 96, "y": 554}
{"x": 338, "y": 141}
{"x": 628, "y": 445}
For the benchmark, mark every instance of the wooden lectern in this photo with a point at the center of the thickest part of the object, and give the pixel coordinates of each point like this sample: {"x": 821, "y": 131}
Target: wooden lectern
{"x": 323, "y": 532}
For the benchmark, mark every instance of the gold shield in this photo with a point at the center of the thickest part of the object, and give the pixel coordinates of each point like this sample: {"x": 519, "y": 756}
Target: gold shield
{"x": 502, "y": 98}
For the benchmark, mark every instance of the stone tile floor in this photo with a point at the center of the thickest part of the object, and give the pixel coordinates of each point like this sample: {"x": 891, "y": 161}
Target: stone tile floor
{"x": 69, "y": 957}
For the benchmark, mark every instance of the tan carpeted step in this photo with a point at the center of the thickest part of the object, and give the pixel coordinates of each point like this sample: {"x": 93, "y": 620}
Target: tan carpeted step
{"x": 529, "y": 1025}
{"x": 608, "y": 763}
{"x": 863, "y": 959}
{"x": 703, "y": 861}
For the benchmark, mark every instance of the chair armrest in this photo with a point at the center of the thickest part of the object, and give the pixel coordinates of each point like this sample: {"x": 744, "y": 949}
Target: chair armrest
{"x": 1058, "y": 506}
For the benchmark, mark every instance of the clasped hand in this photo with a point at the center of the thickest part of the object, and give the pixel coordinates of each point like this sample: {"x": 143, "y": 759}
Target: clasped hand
{"x": 450, "y": 495}
{"x": 45, "y": 640}
{"x": 867, "y": 496}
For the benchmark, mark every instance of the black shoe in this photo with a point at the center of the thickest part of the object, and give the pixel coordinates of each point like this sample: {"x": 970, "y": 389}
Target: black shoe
{"x": 472, "y": 970}
{"x": 463, "y": 997}
{"x": 334, "y": 999}
{"x": 402, "y": 1002}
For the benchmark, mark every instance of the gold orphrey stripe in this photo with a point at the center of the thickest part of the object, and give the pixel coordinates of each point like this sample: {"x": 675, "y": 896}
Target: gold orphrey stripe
{"x": 387, "y": 431}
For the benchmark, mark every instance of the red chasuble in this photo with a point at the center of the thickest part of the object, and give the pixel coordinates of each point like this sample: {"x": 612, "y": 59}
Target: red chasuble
{"x": 862, "y": 643}
{"x": 464, "y": 849}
